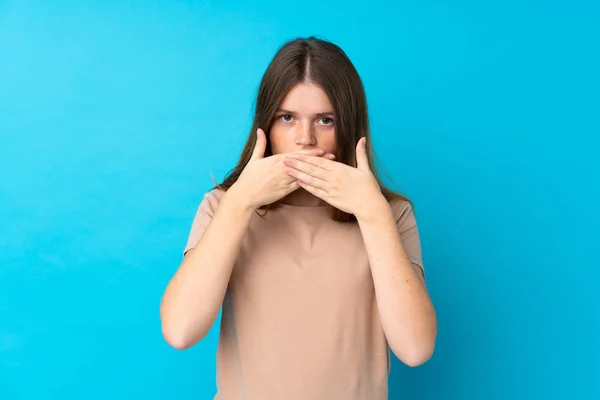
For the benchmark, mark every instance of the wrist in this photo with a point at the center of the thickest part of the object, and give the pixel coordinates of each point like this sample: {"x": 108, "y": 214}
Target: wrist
{"x": 237, "y": 199}
{"x": 374, "y": 210}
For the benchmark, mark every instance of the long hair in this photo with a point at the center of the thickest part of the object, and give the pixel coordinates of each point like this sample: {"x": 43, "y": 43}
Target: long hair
{"x": 324, "y": 64}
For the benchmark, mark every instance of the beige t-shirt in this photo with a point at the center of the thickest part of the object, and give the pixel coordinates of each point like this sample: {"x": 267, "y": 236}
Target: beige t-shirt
{"x": 300, "y": 320}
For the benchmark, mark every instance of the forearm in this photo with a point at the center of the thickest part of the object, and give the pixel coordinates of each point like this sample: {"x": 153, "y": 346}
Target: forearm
{"x": 406, "y": 311}
{"x": 194, "y": 296}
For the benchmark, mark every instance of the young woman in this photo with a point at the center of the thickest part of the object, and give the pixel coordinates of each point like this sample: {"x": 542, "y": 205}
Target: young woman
{"x": 316, "y": 264}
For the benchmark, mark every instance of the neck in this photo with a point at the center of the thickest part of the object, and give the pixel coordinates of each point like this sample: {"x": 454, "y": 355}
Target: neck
{"x": 301, "y": 197}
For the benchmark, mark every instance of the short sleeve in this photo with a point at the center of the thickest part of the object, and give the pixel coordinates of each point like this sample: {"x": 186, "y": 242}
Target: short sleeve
{"x": 409, "y": 232}
{"x": 206, "y": 210}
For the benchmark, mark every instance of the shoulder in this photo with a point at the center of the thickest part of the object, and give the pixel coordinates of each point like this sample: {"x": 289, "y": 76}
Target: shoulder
{"x": 401, "y": 207}
{"x": 212, "y": 199}
{"x": 214, "y": 195}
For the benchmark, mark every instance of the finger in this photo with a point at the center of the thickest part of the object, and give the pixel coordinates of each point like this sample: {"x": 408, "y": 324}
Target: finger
{"x": 362, "y": 161}
{"x": 260, "y": 146}
{"x": 303, "y": 177}
{"x": 330, "y": 156}
{"x": 294, "y": 186}
{"x": 291, "y": 184}
{"x": 311, "y": 152}
{"x": 320, "y": 162}
{"x": 306, "y": 168}
{"x": 320, "y": 193}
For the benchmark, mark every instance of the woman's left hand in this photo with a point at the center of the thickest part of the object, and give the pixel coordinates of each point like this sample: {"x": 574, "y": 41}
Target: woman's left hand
{"x": 352, "y": 190}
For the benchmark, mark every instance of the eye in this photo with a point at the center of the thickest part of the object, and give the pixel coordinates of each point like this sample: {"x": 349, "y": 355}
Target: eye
{"x": 326, "y": 121}
{"x": 286, "y": 118}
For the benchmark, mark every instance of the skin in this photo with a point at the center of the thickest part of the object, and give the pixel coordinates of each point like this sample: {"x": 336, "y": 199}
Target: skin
{"x": 302, "y": 171}
{"x": 407, "y": 313}
{"x": 194, "y": 296}
{"x": 303, "y": 122}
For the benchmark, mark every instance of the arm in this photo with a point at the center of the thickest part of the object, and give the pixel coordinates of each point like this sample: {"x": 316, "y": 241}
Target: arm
{"x": 407, "y": 314}
{"x": 193, "y": 298}
{"x": 406, "y": 311}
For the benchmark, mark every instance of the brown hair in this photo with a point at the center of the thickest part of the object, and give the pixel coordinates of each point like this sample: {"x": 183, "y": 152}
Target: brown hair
{"x": 325, "y": 64}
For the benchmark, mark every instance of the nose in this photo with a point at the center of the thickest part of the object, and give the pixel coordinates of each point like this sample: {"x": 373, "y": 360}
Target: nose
{"x": 305, "y": 135}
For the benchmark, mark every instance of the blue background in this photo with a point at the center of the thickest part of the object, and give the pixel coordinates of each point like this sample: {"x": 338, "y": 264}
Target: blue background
{"x": 113, "y": 115}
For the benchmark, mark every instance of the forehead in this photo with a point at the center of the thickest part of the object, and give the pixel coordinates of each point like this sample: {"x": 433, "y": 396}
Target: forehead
{"x": 307, "y": 98}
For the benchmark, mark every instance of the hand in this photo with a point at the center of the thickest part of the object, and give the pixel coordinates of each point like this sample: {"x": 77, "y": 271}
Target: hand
{"x": 349, "y": 189}
{"x": 263, "y": 180}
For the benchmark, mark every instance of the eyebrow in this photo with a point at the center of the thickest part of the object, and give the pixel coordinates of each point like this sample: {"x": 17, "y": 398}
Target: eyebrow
{"x": 321, "y": 114}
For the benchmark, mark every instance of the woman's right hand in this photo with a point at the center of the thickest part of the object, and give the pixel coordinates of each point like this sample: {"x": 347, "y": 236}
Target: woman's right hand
{"x": 264, "y": 181}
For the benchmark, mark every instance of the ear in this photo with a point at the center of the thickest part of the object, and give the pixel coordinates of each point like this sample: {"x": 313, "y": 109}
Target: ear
{"x": 362, "y": 161}
{"x": 260, "y": 146}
